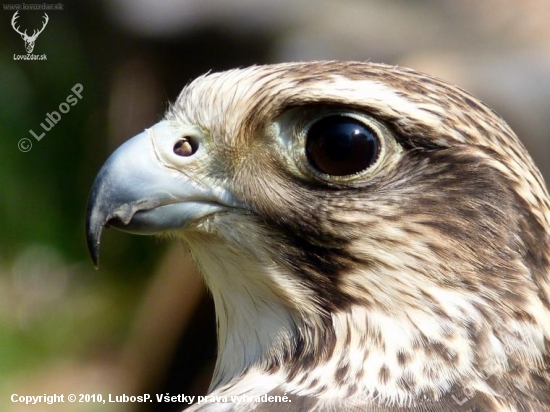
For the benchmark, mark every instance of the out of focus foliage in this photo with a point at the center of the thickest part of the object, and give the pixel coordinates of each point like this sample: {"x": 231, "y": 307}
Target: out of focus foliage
{"x": 53, "y": 305}
{"x": 44, "y": 191}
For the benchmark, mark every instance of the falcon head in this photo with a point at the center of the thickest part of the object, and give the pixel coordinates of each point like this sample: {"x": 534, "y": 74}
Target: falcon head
{"x": 372, "y": 237}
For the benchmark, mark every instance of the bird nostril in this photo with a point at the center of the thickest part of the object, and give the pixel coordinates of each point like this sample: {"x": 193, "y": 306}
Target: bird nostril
{"x": 186, "y": 146}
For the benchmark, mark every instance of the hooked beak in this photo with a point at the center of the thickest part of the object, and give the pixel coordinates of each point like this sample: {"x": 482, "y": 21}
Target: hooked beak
{"x": 146, "y": 188}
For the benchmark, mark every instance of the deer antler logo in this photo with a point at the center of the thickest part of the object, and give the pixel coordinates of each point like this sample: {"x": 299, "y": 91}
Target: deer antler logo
{"x": 29, "y": 40}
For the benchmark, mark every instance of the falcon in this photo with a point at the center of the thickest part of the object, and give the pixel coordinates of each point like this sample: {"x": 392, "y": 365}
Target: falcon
{"x": 374, "y": 238}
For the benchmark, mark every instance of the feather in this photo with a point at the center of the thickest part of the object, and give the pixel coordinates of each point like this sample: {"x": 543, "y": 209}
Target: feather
{"x": 374, "y": 238}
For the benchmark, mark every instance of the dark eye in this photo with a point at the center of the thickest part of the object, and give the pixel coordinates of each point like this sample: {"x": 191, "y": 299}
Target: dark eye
{"x": 340, "y": 146}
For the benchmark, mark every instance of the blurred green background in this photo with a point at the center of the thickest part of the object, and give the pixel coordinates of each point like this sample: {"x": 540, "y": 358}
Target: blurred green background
{"x": 142, "y": 323}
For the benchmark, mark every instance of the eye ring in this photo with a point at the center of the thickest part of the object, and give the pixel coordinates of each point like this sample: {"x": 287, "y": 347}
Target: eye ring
{"x": 341, "y": 145}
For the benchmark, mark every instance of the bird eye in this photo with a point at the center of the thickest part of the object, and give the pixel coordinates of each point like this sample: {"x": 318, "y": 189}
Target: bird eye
{"x": 186, "y": 146}
{"x": 341, "y": 146}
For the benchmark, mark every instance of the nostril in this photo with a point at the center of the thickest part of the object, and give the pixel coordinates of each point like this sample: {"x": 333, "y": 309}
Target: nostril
{"x": 186, "y": 146}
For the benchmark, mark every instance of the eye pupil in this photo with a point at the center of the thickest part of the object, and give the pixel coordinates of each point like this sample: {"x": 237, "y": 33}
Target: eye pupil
{"x": 341, "y": 146}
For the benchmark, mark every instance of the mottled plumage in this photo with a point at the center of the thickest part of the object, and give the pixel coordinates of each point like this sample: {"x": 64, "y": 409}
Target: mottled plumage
{"x": 421, "y": 283}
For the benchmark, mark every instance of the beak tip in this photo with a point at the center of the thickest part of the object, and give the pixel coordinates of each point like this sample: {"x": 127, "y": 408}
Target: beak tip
{"x": 93, "y": 250}
{"x": 95, "y": 258}
{"x": 93, "y": 238}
